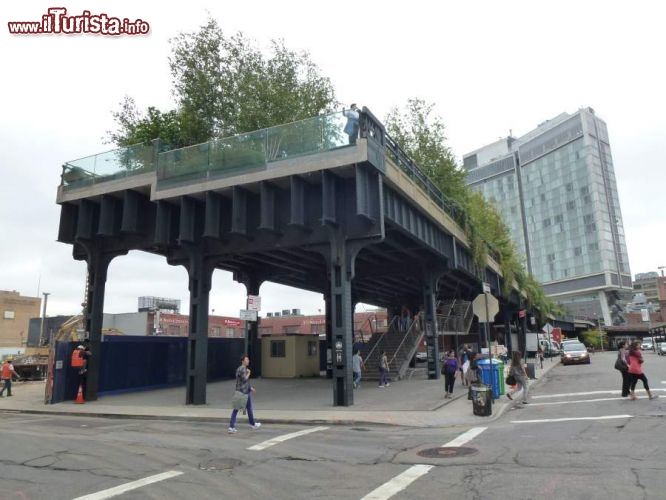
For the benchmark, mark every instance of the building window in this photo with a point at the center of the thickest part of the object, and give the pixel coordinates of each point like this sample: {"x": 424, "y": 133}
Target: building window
{"x": 546, "y": 222}
{"x": 550, "y": 257}
{"x": 278, "y": 349}
{"x": 9, "y": 315}
{"x": 173, "y": 330}
{"x": 215, "y": 331}
{"x": 578, "y": 251}
{"x": 312, "y": 348}
{"x": 571, "y": 205}
{"x": 230, "y": 332}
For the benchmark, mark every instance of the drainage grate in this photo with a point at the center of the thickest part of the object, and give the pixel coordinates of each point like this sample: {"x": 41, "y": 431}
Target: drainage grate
{"x": 447, "y": 452}
{"x": 220, "y": 464}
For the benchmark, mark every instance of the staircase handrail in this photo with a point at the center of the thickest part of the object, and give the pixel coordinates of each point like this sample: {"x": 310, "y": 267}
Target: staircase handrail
{"x": 415, "y": 338}
{"x": 388, "y": 329}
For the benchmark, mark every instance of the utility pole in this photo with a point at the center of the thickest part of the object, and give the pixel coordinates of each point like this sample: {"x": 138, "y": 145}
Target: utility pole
{"x": 41, "y": 328}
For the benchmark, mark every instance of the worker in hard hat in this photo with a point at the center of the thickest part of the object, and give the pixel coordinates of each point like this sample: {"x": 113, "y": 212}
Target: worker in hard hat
{"x": 8, "y": 372}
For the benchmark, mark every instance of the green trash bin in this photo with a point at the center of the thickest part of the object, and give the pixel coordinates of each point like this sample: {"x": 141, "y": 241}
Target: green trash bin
{"x": 482, "y": 401}
{"x": 502, "y": 387}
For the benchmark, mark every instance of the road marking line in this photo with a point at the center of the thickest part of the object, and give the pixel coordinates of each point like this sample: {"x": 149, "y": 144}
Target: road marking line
{"x": 285, "y": 437}
{"x": 589, "y": 393}
{"x": 555, "y": 403}
{"x": 550, "y": 420}
{"x": 123, "y": 488}
{"x": 398, "y": 483}
{"x": 466, "y": 437}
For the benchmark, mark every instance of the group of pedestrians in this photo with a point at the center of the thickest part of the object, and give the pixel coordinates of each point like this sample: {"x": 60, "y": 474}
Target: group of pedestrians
{"x": 630, "y": 364}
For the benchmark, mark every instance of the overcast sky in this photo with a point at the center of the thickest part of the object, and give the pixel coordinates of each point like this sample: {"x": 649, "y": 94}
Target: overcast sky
{"x": 489, "y": 67}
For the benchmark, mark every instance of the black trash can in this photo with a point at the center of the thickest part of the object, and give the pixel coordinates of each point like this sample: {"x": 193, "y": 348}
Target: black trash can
{"x": 481, "y": 400}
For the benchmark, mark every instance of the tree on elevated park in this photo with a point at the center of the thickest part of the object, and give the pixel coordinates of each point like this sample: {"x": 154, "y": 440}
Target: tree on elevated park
{"x": 421, "y": 135}
{"x": 223, "y": 86}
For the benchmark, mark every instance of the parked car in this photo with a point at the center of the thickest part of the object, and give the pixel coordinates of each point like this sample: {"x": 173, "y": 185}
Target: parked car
{"x": 646, "y": 345}
{"x": 421, "y": 356}
{"x": 573, "y": 353}
{"x": 661, "y": 349}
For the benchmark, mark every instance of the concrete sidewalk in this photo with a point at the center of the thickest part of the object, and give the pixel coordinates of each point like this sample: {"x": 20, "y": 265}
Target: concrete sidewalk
{"x": 413, "y": 402}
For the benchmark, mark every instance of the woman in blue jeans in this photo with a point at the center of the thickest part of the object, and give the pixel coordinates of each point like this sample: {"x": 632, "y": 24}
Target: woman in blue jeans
{"x": 243, "y": 385}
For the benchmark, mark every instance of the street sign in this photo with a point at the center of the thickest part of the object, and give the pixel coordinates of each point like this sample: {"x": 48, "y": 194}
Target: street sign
{"x": 248, "y": 315}
{"x": 485, "y": 287}
{"x": 479, "y": 307}
{"x": 254, "y": 302}
{"x": 547, "y": 328}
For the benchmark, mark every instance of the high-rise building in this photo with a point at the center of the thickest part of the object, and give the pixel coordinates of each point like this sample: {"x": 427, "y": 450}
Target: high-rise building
{"x": 556, "y": 188}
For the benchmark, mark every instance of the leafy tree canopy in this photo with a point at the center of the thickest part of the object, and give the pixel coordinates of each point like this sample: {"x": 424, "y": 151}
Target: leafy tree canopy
{"x": 224, "y": 85}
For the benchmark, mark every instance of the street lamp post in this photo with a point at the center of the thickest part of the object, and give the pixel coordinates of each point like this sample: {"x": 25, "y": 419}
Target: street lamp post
{"x": 41, "y": 328}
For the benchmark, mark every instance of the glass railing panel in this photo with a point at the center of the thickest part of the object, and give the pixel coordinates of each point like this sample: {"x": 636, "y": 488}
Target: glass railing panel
{"x": 118, "y": 163}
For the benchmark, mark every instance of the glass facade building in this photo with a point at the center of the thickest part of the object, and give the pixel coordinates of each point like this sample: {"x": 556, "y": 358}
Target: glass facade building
{"x": 556, "y": 189}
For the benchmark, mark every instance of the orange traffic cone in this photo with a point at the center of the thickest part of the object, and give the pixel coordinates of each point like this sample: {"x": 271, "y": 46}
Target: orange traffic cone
{"x": 79, "y": 397}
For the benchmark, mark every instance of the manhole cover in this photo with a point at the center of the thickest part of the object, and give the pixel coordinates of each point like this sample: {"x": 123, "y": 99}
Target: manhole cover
{"x": 220, "y": 464}
{"x": 450, "y": 452}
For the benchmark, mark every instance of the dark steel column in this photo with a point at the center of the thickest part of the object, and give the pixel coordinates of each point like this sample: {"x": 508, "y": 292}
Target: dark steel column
{"x": 430, "y": 320}
{"x": 329, "y": 332}
{"x": 200, "y": 272}
{"x": 98, "y": 265}
{"x": 341, "y": 322}
{"x": 252, "y": 285}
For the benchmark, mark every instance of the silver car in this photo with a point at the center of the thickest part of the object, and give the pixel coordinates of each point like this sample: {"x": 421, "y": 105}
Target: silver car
{"x": 575, "y": 354}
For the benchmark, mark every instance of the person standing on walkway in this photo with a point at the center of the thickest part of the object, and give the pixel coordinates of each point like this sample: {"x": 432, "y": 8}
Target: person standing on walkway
{"x": 463, "y": 357}
{"x": 243, "y": 385}
{"x": 352, "y": 125}
{"x": 622, "y": 364}
{"x": 518, "y": 371}
{"x": 8, "y": 372}
{"x": 635, "y": 358}
{"x": 449, "y": 370}
{"x": 383, "y": 370}
{"x": 357, "y": 366}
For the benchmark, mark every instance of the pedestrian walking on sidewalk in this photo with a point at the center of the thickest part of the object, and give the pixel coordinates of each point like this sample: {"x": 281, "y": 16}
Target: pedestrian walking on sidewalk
{"x": 383, "y": 370}
{"x": 636, "y": 370}
{"x": 243, "y": 386}
{"x": 8, "y": 372}
{"x": 463, "y": 362}
{"x": 472, "y": 374}
{"x": 518, "y": 371}
{"x": 622, "y": 364}
{"x": 357, "y": 366}
{"x": 449, "y": 370}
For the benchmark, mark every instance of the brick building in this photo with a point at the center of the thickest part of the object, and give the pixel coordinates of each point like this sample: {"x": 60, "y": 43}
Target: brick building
{"x": 15, "y": 314}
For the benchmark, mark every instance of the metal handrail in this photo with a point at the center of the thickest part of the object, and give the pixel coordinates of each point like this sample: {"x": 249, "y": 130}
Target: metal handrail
{"x": 388, "y": 329}
{"x": 402, "y": 342}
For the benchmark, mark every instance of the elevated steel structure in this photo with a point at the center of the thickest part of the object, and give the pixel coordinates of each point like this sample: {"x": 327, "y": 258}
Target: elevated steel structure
{"x": 297, "y": 205}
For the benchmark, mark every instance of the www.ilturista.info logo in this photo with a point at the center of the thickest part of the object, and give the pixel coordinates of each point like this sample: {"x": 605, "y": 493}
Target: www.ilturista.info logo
{"x": 57, "y": 22}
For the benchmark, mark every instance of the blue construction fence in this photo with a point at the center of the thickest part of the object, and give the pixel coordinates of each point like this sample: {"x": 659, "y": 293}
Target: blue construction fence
{"x": 141, "y": 363}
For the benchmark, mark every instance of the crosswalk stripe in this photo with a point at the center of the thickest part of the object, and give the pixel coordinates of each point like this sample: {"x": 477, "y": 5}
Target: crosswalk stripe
{"x": 285, "y": 437}
{"x": 570, "y": 419}
{"x": 465, "y": 437}
{"x": 398, "y": 483}
{"x": 123, "y": 488}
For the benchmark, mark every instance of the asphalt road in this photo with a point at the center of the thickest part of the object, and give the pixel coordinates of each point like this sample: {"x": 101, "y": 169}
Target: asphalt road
{"x": 577, "y": 439}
